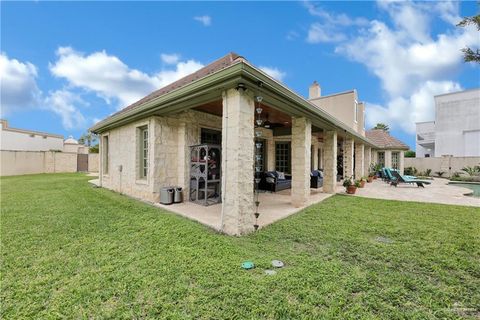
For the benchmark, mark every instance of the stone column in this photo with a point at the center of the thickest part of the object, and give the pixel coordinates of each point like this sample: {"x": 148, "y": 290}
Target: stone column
{"x": 330, "y": 161}
{"x": 301, "y": 156}
{"x": 237, "y": 162}
{"x": 359, "y": 160}
{"x": 367, "y": 160}
{"x": 314, "y": 155}
{"x": 388, "y": 158}
{"x": 348, "y": 157}
{"x": 401, "y": 165}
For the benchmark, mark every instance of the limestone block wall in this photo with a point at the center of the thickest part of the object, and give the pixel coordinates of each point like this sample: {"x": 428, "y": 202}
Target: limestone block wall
{"x": 359, "y": 160}
{"x": 348, "y": 149}
{"x": 169, "y": 153}
{"x": 330, "y": 161}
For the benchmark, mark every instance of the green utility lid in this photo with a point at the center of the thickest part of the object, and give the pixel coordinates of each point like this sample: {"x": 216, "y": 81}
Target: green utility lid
{"x": 247, "y": 265}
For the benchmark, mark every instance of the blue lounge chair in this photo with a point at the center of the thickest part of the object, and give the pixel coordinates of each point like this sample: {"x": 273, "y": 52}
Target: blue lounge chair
{"x": 404, "y": 179}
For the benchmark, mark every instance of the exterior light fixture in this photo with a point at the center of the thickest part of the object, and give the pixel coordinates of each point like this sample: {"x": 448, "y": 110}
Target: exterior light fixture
{"x": 241, "y": 86}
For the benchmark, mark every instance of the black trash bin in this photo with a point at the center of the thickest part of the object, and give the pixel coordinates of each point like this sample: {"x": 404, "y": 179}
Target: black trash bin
{"x": 178, "y": 197}
{"x": 166, "y": 195}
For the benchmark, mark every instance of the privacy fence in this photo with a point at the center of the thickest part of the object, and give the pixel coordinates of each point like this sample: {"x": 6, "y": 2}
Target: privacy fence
{"x": 30, "y": 162}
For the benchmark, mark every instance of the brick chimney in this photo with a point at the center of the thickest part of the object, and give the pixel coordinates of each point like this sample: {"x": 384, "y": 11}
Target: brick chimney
{"x": 314, "y": 91}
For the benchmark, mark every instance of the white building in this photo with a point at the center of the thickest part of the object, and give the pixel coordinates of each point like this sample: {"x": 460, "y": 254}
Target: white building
{"x": 27, "y": 140}
{"x": 456, "y": 129}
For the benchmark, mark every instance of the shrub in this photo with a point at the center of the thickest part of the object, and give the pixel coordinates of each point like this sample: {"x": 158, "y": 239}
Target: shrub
{"x": 410, "y": 171}
{"x": 440, "y": 173}
{"x": 472, "y": 171}
{"x": 428, "y": 172}
{"x": 410, "y": 154}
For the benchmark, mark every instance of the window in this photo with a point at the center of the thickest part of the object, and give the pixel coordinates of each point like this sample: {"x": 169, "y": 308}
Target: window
{"x": 381, "y": 159}
{"x": 209, "y": 136}
{"x": 282, "y": 157}
{"x": 105, "y": 154}
{"x": 143, "y": 152}
{"x": 396, "y": 160}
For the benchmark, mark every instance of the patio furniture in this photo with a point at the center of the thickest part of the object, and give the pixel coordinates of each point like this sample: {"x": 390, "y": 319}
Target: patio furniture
{"x": 271, "y": 181}
{"x": 316, "y": 179}
{"x": 403, "y": 179}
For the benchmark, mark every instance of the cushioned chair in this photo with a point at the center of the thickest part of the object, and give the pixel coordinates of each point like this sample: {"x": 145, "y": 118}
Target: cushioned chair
{"x": 270, "y": 181}
{"x": 316, "y": 179}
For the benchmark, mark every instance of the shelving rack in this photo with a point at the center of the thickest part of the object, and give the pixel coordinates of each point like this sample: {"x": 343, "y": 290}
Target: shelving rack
{"x": 205, "y": 174}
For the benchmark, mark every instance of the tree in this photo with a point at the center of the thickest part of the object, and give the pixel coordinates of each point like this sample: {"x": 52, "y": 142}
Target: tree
{"x": 410, "y": 154}
{"x": 87, "y": 138}
{"x": 469, "y": 54}
{"x": 382, "y": 126}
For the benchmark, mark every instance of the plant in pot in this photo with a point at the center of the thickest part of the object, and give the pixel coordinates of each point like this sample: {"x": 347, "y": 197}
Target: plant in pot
{"x": 370, "y": 177}
{"x": 351, "y": 185}
{"x": 362, "y": 181}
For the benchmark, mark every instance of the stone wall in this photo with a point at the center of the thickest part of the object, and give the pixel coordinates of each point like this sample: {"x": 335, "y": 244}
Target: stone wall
{"x": 169, "y": 153}
{"x": 33, "y": 162}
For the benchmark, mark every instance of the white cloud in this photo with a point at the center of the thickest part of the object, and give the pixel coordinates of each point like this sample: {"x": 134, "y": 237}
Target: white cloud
{"x": 205, "y": 20}
{"x": 110, "y": 78}
{"x": 18, "y": 85}
{"x": 170, "y": 58}
{"x": 403, "y": 112}
{"x": 332, "y": 18}
{"x": 274, "y": 72}
{"x": 411, "y": 64}
{"x": 64, "y": 103}
{"x": 323, "y": 33}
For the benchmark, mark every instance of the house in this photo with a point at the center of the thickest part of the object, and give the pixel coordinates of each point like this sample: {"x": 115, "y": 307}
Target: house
{"x": 456, "y": 129}
{"x": 27, "y": 140}
{"x": 390, "y": 152}
{"x": 215, "y": 131}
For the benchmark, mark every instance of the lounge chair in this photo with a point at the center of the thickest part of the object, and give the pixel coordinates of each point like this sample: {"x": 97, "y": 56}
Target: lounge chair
{"x": 403, "y": 179}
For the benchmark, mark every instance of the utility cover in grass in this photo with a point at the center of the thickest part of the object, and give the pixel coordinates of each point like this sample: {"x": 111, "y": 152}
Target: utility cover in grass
{"x": 247, "y": 265}
{"x": 270, "y": 272}
{"x": 384, "y": 240}
{"x": 277, "y": 263}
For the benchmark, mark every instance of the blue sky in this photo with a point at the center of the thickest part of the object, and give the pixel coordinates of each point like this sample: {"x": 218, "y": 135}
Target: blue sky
{"x": 65, "y": 65}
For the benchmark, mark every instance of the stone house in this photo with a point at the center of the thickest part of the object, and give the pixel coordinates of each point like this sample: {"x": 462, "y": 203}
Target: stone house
{"x": 259, "y": 125}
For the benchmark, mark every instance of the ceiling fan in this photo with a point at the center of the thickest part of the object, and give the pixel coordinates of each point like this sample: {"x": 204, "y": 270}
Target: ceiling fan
{"x": 271, "y": 125}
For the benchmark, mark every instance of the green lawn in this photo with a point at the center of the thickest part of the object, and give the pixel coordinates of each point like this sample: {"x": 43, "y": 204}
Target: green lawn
{"x": 73, "y": 251}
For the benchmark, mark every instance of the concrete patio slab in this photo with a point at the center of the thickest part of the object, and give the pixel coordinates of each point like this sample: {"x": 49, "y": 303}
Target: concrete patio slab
{"x": 273, "y": 207}
{"x": 437, "y": 192}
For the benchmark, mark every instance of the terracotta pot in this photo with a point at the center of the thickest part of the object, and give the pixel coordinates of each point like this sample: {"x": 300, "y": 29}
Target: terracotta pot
{"x": 362, "y": 184}
{"x": 351, "y": 189}
{"x": 369, "y": 179}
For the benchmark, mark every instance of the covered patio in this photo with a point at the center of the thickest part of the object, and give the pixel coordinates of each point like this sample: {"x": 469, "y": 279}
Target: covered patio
{"x": 273, "y": 207}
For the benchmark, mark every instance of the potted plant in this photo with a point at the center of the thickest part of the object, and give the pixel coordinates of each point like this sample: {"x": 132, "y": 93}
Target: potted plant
{"x": 371, "y": 176}
{"x": 351, "y": 185}
{"x": 362, "y": 181}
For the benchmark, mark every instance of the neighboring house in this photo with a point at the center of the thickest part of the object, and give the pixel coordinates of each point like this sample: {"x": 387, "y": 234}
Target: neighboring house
{"x": 456, "y": 129}
{"x": 250, "y": 122}
{"x": 390, "y": 152}
{"x": 28, "y": 140}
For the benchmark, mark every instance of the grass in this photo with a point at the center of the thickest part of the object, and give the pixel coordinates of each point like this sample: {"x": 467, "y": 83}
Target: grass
{"x": 73, "y": 251}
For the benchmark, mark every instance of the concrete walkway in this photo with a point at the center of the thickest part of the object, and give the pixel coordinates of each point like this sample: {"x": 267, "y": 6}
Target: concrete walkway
{"x": 438, "y": 192}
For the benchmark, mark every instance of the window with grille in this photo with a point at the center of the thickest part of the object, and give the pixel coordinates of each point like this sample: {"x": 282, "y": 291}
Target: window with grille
{"x": 143, "y": 152}
{"x": 282, "y": 157}
{"x": 209, "y": 136}
{"x": 396, "y": 160}
{"x": 381, "y": 158}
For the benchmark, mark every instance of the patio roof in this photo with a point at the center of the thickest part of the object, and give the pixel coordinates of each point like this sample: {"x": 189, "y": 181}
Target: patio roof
{"x": 207, "y": 84}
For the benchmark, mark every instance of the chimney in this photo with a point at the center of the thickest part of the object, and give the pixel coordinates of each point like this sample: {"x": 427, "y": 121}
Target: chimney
{"x": 314, "y": 91}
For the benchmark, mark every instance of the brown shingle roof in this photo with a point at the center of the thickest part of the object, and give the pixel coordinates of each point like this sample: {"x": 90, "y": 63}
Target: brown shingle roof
{"x": 215, "y": 66}
{"x": 384, "y": 140}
